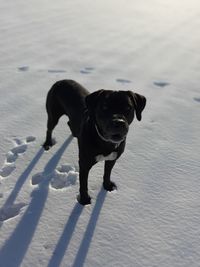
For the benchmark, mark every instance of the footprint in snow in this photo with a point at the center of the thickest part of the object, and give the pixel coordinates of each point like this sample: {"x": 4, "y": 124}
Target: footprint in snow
{"x": 161, "y": 83}
{"x": 62, "y": 177}
{"x": 23, "y": 68}
{"x": 11, "y": 211}
{"x": 56, "y": 71}
{"x": 197, "y": 99}
{"x": 12, "y": 155}
{"x": 123, "y": 81}
{"x": 87, "y": 70}
{"x": 19, "y": 149}
{"x": 26, "y": 68}
{"x": 7, "y": 169}
{"x": 30, "y": 139}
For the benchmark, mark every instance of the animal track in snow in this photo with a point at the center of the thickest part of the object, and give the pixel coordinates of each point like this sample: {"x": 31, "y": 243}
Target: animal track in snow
{"x": 11, "y": 211}
{"x": 161, "y": 83}
{"x": 30, "y": 139}
{"x": 37, "y": 178}
{"x": 7, "y": 169}
{"x": 197, "y": 99}
{"x": 23, "y": 68}
{"x": 17, "y": 141}
{"x": 12, "y": 155}
{"x": 62, "y": 177}
{"x": 20, "y": 149}
{"x": 56, "y": 71}
{"x": 86, "y": 70}
{"x": 123, "y": 81}
{"x": 26, "y": 68}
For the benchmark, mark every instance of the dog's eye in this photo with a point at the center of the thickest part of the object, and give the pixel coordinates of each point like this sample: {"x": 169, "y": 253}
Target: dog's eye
{"x": 128, "y": 108}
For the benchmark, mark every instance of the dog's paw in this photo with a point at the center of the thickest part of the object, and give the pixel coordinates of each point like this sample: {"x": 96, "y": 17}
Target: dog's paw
{"x": 48, "y": 145}
{"x": 84, "y": 200}
{"x": 109, "y": 186}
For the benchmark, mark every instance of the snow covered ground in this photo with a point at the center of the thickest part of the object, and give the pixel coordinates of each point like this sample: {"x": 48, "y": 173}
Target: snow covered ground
{"x": 150, "y": 47}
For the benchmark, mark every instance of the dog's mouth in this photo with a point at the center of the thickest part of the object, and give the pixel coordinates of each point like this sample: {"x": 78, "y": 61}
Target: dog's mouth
{"x": 112, "y": 137}
{"x": 116, "y": 138}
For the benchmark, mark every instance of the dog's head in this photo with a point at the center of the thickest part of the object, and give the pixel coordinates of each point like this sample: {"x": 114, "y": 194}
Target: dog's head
{"x": 113, "y": 112}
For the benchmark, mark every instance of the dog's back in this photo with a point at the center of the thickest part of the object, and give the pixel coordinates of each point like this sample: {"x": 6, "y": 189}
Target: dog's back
{"x": 66, "y": 97}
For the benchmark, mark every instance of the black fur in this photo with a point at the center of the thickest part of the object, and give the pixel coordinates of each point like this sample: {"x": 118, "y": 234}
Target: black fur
{"x": 99, "y": 120}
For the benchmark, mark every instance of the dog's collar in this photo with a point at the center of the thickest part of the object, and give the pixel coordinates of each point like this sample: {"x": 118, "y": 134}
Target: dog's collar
{"x": 117, "y": 144}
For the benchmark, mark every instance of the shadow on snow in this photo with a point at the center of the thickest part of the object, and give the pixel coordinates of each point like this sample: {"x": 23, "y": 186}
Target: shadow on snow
{"x": 15, "y": 248}
{"x": 66, "y": 236}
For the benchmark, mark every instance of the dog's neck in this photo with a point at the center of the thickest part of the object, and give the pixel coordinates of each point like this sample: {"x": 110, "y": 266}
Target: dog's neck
{"x": 116, "y": 144}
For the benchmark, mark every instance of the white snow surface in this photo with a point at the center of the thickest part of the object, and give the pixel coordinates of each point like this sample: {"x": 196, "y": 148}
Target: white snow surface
{"x": 152, "y": 219}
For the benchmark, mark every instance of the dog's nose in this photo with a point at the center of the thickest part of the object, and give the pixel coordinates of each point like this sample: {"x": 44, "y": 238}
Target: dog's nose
{"x": 119, "y": 124}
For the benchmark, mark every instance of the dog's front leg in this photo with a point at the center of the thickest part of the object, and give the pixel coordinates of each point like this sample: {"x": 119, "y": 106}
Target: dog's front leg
{"x": 107, "y": 183}
{"x": 84, "y": 197}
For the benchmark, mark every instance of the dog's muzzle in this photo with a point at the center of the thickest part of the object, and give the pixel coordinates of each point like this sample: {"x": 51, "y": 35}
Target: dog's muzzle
{"x": 115, "y": 131}
{"x": 118, "y": 129}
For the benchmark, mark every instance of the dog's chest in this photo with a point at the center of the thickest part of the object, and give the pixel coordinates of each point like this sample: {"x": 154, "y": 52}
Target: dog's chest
{"x": 111, "y": 156}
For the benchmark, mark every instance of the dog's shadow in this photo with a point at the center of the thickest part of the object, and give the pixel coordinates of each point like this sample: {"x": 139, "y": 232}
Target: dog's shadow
{"x": 66, "y": 236}
{"x": 19, "y": 241}
{"x": 87, "y": 238}
{"x": 15, "y": 248}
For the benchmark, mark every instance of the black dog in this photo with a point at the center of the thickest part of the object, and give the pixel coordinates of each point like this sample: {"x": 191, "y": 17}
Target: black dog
{"x": 99, "y": 120}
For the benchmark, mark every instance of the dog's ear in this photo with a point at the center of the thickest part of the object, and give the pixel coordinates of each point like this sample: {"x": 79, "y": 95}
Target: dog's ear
{"x": 91, "y": 99}
{"x": 139, "y": 103}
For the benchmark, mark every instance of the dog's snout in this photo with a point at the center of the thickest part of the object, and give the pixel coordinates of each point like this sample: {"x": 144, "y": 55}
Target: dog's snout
{"x": 119, "y": 126}
{"x": 119, "y": 123}
{"x": 118, "y": 129}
